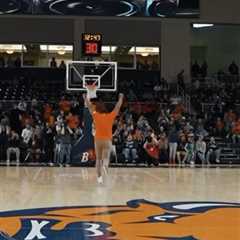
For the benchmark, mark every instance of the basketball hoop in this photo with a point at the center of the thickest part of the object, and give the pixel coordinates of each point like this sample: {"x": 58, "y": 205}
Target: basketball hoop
{"x": 80, "y": 73}
{"x": 91, "y": 90}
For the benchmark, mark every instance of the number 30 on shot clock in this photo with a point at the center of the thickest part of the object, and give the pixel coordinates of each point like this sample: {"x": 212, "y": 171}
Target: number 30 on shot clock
{"x": 91, "y": 44}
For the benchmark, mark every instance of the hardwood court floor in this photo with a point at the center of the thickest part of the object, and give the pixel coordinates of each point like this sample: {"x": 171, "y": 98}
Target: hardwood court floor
{"x": 173, "y": 195}
{"x": 30, "y": 187}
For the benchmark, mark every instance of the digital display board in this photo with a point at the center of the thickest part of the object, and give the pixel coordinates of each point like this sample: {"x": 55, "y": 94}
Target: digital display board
{"x": 91, "y": 44}
{"x": 119, "y": 8}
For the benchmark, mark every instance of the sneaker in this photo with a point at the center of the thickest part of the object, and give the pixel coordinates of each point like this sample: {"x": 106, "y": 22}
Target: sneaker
{"x": 100, "y": 180}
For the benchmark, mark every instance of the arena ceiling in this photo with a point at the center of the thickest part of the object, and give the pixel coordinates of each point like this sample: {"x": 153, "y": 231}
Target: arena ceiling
{"x": 126, "y": 8}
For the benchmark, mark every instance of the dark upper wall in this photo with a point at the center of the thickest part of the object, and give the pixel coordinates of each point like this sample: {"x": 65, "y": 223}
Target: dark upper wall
{"x": 26, "y": 30}
{"x": 220, "y": 11}
{"x": 128, "y": 32}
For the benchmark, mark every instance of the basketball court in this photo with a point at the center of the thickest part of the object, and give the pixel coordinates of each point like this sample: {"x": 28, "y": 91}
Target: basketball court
{"x": 133, "y": 203}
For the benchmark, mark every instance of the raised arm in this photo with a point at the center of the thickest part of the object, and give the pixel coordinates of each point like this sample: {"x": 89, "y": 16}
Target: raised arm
{"x": 88, "y": 104}
{"x": 119, "y": 103}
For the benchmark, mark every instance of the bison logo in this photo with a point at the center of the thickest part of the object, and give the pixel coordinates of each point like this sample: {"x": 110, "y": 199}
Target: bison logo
{"x": 137, "y": 220}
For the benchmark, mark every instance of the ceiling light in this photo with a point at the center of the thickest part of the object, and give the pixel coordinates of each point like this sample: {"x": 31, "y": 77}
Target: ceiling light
{"x": 144, "y": 54}
{"x": 61, "y": 52}
{"x": 9, "y": 51}
{"x": 202, "y": 25}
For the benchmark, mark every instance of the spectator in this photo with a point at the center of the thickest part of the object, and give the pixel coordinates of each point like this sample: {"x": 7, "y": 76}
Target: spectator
{"x": 201, "y": 149}
{"x": 18, "y": 62}
{"x": 163, "y": 147}
{"x": 190, "y": 150}
{"x": 131, "y": 95}
{"x": 4, "y": 120}
{"x": 213, "y": 151}
{"x": 72, "y": 121}
{"x": 145, "y": 66}
{"x": 22, "y": 106}
{"x": 14, "y": 119}
{"x": 180, "y": 80}
{"x": 200, "y": 130}
{"x": 65, "y": 105}
{"x": 4, "y": 132}
{"x": 204, "y": 69}
{"x": 13, "y": 146}
{"x": 130, "y": 150}
{"x": 48, "y": 136}
{"x": 229, "y": 118}
{"x": 57, "y": 141}
{"x": 233, "y": 68}
{"x": 10, "y": 62}
{"x": 53, "y": 63}
{"x": 152, "y": 151}
{"x": 173, "y": 143}
{"x": 195, "y": 69}
{"x": 219, "y": 128}
{"x": 66, "y": 135}
{"x": 157, "y": 90}
{"x": 181, "y": 152}
{"x": 2, "y": 62}
{"x": 236, "y": 131}
{"x": 188, "y": 128}
{"x": 62, "y": 65}
{"x": 27, "y": 134}
{"x": 37, "y": 146}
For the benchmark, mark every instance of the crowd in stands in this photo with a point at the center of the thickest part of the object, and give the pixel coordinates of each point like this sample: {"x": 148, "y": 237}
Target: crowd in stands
{"x": 158, "y": 131}
{"x": 146, "y": 133}
{"x": 33, "y": 130}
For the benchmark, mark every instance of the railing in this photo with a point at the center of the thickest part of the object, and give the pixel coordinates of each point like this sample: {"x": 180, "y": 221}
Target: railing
{"x": 216, "y": 78}
{"x": 206, "y": 107}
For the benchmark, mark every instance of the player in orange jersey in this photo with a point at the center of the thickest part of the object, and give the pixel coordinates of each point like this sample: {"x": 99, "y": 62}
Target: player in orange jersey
{"x": 103, "y": 121}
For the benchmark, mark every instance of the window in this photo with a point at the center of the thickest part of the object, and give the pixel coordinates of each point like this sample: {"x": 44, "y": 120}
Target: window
{"x": 130, "y": 57}
{"x": 34, "y": 54}
{"x": 11, "y": 55}
{"x": 148, "y": 58}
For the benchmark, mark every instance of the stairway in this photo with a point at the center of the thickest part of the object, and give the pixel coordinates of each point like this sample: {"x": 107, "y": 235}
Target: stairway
{"x": 230, "y": 153}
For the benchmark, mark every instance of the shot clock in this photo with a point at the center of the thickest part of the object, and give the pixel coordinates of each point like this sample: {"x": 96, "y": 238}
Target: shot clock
{"x": 91, "y": 44}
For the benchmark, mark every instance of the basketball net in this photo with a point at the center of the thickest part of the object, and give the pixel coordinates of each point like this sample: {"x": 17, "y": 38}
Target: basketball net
{"x": 91, "y": 91}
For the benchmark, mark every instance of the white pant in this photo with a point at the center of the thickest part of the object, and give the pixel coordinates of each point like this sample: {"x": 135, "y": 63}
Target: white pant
{"x": 172, "y": 151}
{"x": 15, "y": 150}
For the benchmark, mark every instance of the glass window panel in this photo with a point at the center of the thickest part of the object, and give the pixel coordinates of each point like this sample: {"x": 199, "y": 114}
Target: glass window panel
{"x": 10, "y": 55}
{"x": 33, "y": 56}
{"x": 148, "y": 58}
{"x": 60, "y": 53}
{"x": 124, "y": 55}
{"x": 106, "y": 54}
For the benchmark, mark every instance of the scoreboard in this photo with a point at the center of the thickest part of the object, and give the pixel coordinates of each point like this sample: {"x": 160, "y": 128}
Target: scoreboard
{"x": 91, "y": 44}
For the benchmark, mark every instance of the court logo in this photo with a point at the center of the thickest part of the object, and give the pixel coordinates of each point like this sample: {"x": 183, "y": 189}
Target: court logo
{"x": 137, "y": 220}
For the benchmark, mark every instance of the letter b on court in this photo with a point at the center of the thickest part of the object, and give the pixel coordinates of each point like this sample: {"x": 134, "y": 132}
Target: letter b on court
{"x": 85, "y": 157}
